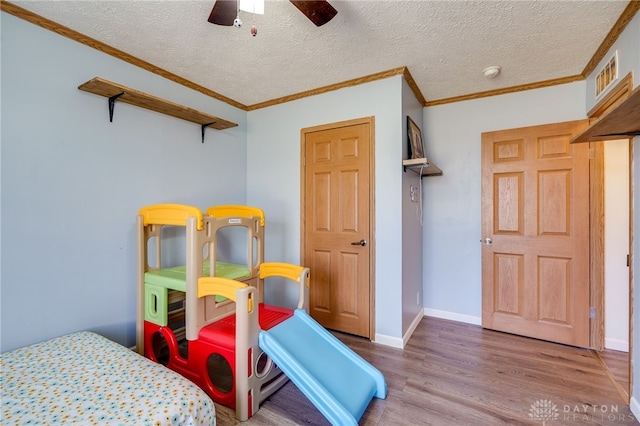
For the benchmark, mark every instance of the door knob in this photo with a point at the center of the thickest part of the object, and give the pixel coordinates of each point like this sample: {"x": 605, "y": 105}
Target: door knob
{"x": 362, "y": 243}
{"x": 487, "y": 241}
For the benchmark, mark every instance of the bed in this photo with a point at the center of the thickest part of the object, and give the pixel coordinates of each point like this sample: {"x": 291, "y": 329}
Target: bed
{"x": 84, "y": 378}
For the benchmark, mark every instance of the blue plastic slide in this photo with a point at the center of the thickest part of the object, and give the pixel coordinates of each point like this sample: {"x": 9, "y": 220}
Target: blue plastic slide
{"x": 335, "y": 379}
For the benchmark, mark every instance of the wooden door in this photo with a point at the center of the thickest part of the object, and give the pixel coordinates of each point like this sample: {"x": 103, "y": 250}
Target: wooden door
{"x": 535, "y": 233}
{"x": 336, "y": 219}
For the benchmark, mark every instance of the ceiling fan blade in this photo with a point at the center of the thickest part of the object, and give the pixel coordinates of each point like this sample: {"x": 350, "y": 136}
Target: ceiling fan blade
{"x": 318, "y": 11}
{"x": 224, "y": 12}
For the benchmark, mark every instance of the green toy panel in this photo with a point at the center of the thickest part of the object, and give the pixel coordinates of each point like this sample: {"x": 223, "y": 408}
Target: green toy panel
{"x": 175, "y": 278}
{"x": 155, "y": 304}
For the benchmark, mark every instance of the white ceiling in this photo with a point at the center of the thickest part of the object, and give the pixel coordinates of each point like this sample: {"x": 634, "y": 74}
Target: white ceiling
{"x": 444, "y": 44}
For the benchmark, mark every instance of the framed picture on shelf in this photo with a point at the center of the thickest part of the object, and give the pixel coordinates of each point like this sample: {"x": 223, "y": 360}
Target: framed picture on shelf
{"x": 416, "y": 149}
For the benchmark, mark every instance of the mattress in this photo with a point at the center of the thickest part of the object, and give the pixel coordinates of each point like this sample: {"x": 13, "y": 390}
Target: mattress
{"x": 84, "y": 379}
{"x": 175, "y": 278}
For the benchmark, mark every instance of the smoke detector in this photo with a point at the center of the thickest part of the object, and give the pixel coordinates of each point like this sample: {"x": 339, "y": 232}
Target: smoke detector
{"x": 491, "y": 72}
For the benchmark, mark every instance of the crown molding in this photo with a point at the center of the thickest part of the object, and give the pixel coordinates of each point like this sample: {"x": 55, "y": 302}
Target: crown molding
{"x": 626, "y": 16}
{"x": 505, "y": 90}
{"x": 64, "y": 31}
{"x": 337, "y": 86}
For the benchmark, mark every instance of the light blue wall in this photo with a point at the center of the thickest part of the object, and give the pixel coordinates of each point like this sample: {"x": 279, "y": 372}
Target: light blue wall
{"x": 273, "y": 166}
{"x": 412, "y": 219}
{"x": 452, "y": 252}
{"x": 72, "y": 182}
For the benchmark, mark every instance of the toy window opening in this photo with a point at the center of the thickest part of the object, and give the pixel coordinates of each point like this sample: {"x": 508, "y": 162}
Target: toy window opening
{"x": 220, "y": 373}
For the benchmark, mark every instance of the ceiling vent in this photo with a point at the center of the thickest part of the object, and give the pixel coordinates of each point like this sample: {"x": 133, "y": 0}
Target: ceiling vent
{"x": 607, "y": 75}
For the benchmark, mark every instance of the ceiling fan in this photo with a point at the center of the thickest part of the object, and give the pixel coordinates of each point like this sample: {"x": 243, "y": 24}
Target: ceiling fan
{"x": 319, "y": 12}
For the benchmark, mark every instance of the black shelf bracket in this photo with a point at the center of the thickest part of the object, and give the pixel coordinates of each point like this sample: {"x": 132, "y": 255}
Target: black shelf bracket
{"x": 427, "y": 169}
{"x": 112, "y": 104}
{"x": 204, "y": 126}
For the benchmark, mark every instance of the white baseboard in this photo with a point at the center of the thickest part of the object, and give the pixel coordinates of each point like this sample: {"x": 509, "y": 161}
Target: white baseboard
{"x": 613, "y": 344}
{"x": 469, "y": 319}
{"x": 634, "y": 405}
{"x": 616, "y": 345}
{"x": 412, "y": 328}
{"x": 396, "y": 342}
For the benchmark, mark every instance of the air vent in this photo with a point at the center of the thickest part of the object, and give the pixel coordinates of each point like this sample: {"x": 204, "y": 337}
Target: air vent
{"x": 607, "y": 75}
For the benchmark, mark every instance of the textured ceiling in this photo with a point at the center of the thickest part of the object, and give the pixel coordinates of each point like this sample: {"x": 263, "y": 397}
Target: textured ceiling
{"x": 444, "y": 44}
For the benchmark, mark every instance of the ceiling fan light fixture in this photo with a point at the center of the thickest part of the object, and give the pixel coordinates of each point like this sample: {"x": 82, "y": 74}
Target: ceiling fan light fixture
{"x": 252, "y": 6}
{"x": 491, "y": 72}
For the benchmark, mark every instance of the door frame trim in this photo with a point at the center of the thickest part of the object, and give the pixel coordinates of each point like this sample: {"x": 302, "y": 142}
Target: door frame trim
{"x": 619, "y": 93}
{"x": 596, "y": 244}
{"x": 372, "y": 229}
{"x": 632, "y": 255}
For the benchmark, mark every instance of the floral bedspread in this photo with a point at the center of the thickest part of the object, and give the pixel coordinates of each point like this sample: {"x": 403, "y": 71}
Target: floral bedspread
{"x": 86, "y": 379}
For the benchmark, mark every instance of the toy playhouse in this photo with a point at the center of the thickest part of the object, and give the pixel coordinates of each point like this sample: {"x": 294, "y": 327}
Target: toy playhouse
{"x": 208, "y": 321}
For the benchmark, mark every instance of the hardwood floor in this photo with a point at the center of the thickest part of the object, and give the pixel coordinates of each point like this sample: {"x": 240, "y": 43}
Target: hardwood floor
{"x": 452, "y": 373}
{"x": 617, "y": 364}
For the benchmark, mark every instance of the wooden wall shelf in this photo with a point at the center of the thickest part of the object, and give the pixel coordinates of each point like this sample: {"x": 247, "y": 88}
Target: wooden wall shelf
{"x": 621, "y": 122}
{"x": 428, "y": 169}
{"x": 116, "y": 92}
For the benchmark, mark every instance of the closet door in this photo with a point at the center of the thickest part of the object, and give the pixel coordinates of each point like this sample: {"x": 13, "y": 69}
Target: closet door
{"x": 337, "y": 225}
